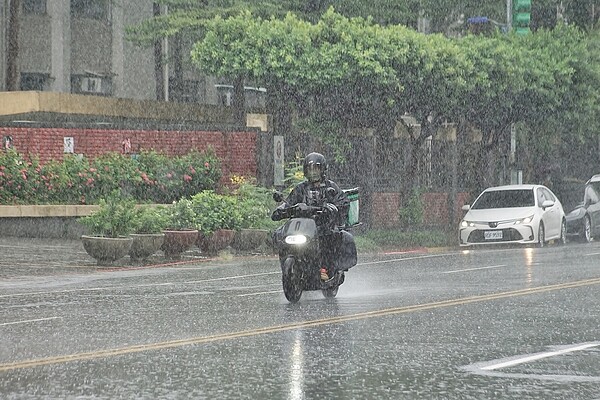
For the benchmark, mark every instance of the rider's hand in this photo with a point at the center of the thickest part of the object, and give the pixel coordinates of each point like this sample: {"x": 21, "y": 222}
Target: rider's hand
{"x": 331, "y": 208}
{"x": 302, "y": 207}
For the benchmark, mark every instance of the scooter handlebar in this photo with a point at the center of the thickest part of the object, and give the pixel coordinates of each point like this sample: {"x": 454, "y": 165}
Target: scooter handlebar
{"x": 304, "y": 210}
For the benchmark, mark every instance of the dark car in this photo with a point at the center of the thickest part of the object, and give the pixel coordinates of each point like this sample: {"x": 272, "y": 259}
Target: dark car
{"x": 581, "y": 203}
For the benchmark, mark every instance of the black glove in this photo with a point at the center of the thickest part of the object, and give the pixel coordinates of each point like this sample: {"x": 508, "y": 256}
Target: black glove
{"x": 302, "y": 207}
{"x": 280, "y": 213}
{"x": 331, "y": 208}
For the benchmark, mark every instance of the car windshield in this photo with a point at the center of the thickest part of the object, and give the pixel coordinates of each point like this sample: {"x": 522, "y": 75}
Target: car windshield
{"x": 505, "y": 199}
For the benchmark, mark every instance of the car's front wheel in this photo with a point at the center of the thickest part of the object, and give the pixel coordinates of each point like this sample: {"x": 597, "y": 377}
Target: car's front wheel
{"x": 541, "y": 235}
{"x": 562, "y": 240}
{"x": 586, "y": 230}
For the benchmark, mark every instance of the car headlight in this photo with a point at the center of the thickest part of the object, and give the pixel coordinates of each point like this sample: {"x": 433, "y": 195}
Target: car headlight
{"x": 522, "y": 221}
{"x": 296, "y": 239}
{"x": 465, "y": 223}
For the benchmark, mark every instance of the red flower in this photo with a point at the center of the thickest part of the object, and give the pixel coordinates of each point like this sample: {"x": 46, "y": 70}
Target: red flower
{"x": 187, "y": 178}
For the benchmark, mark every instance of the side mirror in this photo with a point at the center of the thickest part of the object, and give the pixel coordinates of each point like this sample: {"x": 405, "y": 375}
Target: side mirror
{"x": 330, "y": 194}
{"x": 466, "y": 207}
{"x": 278, "y": 197}
{"x": 547, "y": 204}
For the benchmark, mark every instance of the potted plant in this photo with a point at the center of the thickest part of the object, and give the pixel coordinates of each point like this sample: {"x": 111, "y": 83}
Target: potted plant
{"x": 148, "y": 236}
{"x": 217, "y": 218}
{"x": 255, "y": 205}
{"x": 109, "y": 228}
{"x": 180, "y": 233}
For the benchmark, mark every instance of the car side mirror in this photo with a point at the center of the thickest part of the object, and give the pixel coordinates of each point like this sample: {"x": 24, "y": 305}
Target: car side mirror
{"x": 547, "y": 204}
{"x": 466, "y": 207}
{"x": 278, "y": 197}
{"x": 330, "y": 194}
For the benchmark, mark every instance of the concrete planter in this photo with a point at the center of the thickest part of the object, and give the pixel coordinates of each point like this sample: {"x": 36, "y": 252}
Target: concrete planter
{"x": 250, "y": 239}
{"x": 216, "y": 241}
{"x": 178, "y": 241}
{"x": 145, "y": 244}
{"x": 105, "y": 249}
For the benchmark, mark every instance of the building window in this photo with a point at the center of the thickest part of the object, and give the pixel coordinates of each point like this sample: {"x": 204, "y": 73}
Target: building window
{"x": 93, "y": 9}
{"x": 35, "y": 81}
{"x": 92, "y": 85}
{"x": 34, "y": 6}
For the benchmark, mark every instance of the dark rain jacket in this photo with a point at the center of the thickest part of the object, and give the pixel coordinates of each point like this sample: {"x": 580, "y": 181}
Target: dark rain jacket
{"x": 307, "y": 193}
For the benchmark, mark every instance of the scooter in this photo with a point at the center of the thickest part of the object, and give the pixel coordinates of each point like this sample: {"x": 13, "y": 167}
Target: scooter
{"x": 302, "y": 243}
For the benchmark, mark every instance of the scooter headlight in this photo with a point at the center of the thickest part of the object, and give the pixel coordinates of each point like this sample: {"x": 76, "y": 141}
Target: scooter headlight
{"x": 296, "y": 239}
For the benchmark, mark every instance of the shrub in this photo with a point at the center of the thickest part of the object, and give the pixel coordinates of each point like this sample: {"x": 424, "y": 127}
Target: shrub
{"x": 115, "y": 217}
{"x": 181, "y": 215}
{"x": 216, "y": 211}
{"x": 411, "y": 214}
{"x": 149, "y": 219}
{"x": 151, "y": 177}
{"x": 255, "y": 204}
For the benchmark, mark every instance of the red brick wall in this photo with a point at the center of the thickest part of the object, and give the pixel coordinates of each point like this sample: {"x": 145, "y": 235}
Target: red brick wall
{"x": 236, "y": 150}
{"x": 386, "y": 208}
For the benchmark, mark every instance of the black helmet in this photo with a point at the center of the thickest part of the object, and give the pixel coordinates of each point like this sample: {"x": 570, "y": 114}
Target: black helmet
{"x": 315, "y": 167}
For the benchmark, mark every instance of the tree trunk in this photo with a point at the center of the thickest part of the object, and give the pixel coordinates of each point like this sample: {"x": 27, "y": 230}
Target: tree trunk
{"x": 158, "y": 59}
{"x": 12, "y": 67}
{"x": 416, "y": 142}
{"x": 238, "y": 101}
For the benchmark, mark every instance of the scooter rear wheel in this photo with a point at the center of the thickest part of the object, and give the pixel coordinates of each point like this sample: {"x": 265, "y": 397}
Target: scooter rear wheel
{"x": 291, "y": 282}
{"x": 331, "y": 292}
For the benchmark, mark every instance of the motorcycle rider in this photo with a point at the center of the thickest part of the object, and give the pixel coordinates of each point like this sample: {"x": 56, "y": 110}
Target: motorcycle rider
{"x": 317, "y": 190}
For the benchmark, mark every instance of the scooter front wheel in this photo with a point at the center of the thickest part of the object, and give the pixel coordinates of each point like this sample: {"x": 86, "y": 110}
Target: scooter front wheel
{"x": 291, "y": 280}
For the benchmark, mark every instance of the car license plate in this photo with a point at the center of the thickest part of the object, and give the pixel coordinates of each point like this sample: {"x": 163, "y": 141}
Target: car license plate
{"x": 492, "y": 235}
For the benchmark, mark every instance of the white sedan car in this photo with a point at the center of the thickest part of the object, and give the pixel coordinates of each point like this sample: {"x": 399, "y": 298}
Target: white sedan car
{"x": 513, "y": 214}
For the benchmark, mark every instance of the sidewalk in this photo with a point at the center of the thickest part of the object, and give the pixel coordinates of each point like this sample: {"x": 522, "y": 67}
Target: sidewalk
{"x": 43, "y": 257}
{"x": 46, "y": 257}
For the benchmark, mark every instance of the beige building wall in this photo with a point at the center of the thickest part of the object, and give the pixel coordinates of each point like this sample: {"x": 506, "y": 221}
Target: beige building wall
{"x": 61, "y": 46}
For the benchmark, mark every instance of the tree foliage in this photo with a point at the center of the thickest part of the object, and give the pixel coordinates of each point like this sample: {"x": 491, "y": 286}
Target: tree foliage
{"x": 343, "y": 71}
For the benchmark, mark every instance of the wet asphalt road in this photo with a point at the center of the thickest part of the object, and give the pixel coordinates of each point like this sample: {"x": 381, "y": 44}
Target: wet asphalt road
{"x": 516, "y": 323}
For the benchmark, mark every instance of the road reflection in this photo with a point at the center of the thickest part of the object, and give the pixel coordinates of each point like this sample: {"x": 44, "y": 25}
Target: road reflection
{"x": 296, "y": 377}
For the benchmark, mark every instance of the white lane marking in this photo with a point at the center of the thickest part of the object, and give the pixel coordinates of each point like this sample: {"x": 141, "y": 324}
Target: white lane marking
{"x": 539, "y": 356}
{"x": 29, "y": 320}
{"x": 97, "y": 289}
{"x": 473, "y": 269}
{"x": 259, "y": 293}
{"x": 592, "y": 254}
{"x": 404, "y": 259}
{"x": 226, "y": 278}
